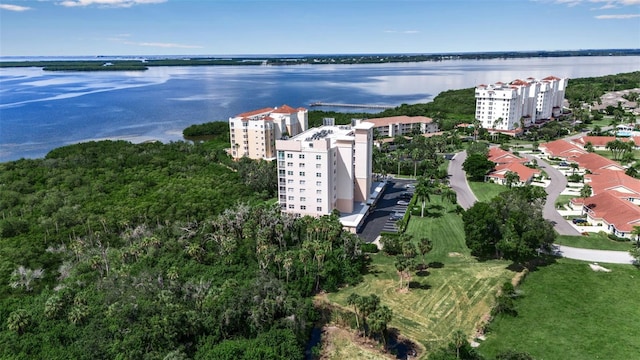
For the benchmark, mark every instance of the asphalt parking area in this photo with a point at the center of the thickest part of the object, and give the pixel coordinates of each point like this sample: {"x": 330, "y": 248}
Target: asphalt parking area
{"x": 379, "y": 219}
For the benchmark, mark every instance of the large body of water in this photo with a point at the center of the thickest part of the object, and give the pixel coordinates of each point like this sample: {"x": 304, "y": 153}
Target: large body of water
{"x": 40, "y": 110}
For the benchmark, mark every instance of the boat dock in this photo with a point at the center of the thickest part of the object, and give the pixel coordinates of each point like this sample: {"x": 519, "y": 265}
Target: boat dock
{"x": 364, "y": 106}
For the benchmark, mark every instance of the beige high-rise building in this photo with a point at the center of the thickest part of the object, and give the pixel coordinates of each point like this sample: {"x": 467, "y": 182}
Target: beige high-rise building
{"x": 253, "y": 133}
{"x": 325, "y": 168}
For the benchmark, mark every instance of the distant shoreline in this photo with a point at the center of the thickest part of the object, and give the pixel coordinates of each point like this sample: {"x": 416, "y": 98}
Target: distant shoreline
{"x": 142, "y": 63}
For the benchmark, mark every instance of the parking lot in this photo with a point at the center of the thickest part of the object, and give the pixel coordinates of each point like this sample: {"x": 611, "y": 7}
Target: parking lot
{"x": 382, "y": 217}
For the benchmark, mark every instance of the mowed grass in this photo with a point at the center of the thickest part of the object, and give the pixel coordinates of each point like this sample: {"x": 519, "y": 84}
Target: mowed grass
{"x": 593, "y": 241}
{"x": 485, "y": 191}
{"x": 456, "y": 292}
{"x": 568, "y": 311}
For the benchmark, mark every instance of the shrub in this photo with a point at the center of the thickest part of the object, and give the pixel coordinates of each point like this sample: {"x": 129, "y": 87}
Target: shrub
{"x": 369, "y": 248}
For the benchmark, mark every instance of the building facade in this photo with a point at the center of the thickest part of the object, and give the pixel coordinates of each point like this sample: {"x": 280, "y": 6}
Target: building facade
{"x": 253, "y": 134}
{"x": 402, "y": 125}
{"x": 325, "y": 168}
{"x": 519, "y": 104}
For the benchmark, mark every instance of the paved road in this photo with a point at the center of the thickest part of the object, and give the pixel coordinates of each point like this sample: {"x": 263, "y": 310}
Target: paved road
{"x": 558, "y": 184}
{"x": 458, "y": 181}
{"x": 466, "y": 199}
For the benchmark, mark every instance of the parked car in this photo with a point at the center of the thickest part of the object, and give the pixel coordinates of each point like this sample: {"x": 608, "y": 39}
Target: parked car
{"x": 410, "y": 186}
{"x": 396, "y": 217}
{"x": 403, "y": 202}
{"x": 579, "y": 221}
{"x": 406, "y": 195}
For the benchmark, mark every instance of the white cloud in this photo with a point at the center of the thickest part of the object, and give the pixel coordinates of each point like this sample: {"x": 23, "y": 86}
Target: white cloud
{"x": 618, "y": 16}
{"x": 108, "y": 3}
{"x": 608, "y": 3}
{"x": 10, "y": 7}
{"x": 163, "y": 45}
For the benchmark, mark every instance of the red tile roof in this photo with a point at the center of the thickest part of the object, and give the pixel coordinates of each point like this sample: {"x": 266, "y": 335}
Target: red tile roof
{"x": 255, "y": 112}
{"x": 523, "y": 172}
{"x": 594, "y": 162}
{"x": 621, "y": 184}
{"x": 620, "y": 213}
{"x": 286, "y": 109}
{"x": 500, "y": 156}
{"x": 551, "y": 78}
{"x": 399, "y": 120}
{"x": 562, "y": 148}
{"x": 602, "y": 140}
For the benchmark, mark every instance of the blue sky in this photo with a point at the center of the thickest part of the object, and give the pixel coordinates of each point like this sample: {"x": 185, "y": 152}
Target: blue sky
{"x": 216, "y": 27}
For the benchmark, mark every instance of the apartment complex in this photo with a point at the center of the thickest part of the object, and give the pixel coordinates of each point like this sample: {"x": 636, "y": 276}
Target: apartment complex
{"x": 254, "y": 133}
{"x": 325, "y": 168}
{"x": 519, "y": 104}
{"x": 402, "y": 125}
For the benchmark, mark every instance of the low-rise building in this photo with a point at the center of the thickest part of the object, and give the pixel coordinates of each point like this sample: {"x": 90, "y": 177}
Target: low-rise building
{"x": 606, "y": 212}
{"x": 402, "y": 125}
{"x": 562, "y": 149}
{"x": 525, "y": 174}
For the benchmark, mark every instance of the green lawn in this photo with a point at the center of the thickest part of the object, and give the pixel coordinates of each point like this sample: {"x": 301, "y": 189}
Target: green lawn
{"x": 568, "y": 311}
{"x": 455, "y": 293}
{"x": 485, "y": 191}
{"x": 593, "y": 241}
{"x": 564, "y": 199}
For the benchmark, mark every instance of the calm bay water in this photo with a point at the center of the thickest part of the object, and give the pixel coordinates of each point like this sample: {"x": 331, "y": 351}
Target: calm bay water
{"x": 40, "y": 111}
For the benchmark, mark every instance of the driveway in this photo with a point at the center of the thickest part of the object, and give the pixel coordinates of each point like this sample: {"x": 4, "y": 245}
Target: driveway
{"x": 557, "y": 185}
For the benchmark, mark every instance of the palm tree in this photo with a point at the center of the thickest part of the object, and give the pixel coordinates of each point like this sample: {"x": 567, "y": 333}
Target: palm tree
{"x": 423, "y": 193}
{"x": 636, "y": 232}
{"x": 354, "y": 299}
{"x": 511, "y": 178}
{"x": 459, "y": 339}
{"x": 586, "y": 191}
{"x": 19, "y": 321}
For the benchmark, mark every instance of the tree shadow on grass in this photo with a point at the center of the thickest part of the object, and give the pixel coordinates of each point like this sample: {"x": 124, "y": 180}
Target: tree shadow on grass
{"x": 436, "y": 265}
{"x": 533, "y": 264}
{"x": 419, "y": 285}
{"x": 399, "y": 345}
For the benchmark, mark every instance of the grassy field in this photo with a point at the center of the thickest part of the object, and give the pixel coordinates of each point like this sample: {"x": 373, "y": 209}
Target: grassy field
{"x": 564, "y": 199}
{"x": 568, "y": 311}
{"x": 485, "y": 191}
{"x": 455, "y": 293}
{"x": 593, "y": 241}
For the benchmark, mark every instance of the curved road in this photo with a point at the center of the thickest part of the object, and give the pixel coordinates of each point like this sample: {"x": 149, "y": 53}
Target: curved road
{"x": 466, "y": 199}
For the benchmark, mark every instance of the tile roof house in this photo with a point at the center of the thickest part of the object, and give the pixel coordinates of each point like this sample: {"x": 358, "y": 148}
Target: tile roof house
{"x": 594, "y": 162}
{"x": 610, "y": 213}
{"x": 498, "y": 175}
{"x": 600, "y": 142}
{"x": 561, "y": 149}
{"x": 500, "y": 156}
{"x": 615, "y": 182}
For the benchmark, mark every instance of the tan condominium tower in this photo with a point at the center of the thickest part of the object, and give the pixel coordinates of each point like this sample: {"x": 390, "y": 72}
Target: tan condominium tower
{"x": 254, "y": 133}
{"x": 325, "y": 168}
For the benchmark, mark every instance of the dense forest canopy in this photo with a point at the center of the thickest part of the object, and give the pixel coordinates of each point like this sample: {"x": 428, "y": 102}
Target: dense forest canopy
{"x": 115, "y": 250}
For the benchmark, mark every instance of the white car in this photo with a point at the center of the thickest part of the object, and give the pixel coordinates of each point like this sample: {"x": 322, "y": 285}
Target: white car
{"x": 403, "y": 202}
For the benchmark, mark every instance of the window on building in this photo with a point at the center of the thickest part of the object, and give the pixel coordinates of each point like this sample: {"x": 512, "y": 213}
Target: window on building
{"x": 303, "y": 207}
{"x": 302, "y": 191}
{"x": 289, "y": 156}
{"x": 303, "y": 199}
{"x": 319, "y": 208}
{"x": 302, "y": 182}
{"x": 319, "y": 200}
{"x": 301, "y": 156}
{"x": 318, "y": 174}
{"x": 318, "y": 183}
{"x": 290, "y": 172}
{"x": 289, "y": 181}
{"x": 290, "y": 190}
{"x": 291, "y": 198}
{"x": 301, "y": 165}
{"x": 291, "y": 206}
{"x": 289, "y": 164}
{"x": 301, "y": 173}
{"x": 318, "y": 166}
